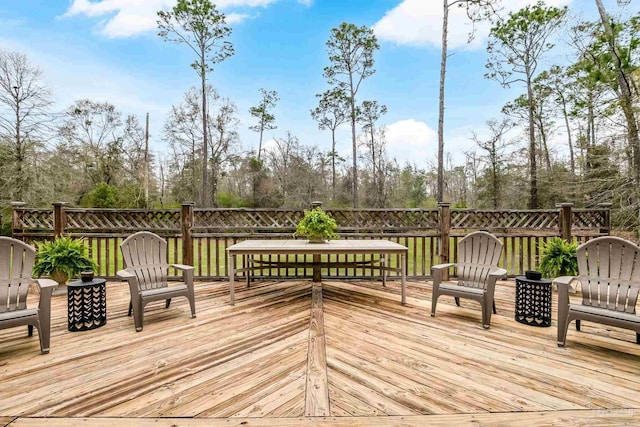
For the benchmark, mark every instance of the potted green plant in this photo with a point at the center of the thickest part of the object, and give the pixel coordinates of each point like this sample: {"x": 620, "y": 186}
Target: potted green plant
{"x": 558, "y": 258}
{"x": 317, "y": 225}
{"x": 61, "y": 259}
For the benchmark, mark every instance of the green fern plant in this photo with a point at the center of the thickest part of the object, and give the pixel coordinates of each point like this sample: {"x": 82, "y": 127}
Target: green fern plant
{"x": 63, "y": 254}
{"x": 558, "y": 258}
{"x": 317, "y": 224}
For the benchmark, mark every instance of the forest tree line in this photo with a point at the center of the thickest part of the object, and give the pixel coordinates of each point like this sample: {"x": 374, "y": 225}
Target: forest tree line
{"x": 572, "y": 136}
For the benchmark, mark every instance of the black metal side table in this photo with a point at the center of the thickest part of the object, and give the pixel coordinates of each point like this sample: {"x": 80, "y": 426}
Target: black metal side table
{"x": 533, "y": 301}
{"x": 87, "y": 304}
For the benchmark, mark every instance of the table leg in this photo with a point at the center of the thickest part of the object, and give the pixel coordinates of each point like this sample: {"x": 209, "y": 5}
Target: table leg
{"x": 249, "y": 261}
{"x": 403, "y": 269}
{"x": 317, "y": 276}
{"x": 232, "y": 273}
{"x": 383, "y": 265}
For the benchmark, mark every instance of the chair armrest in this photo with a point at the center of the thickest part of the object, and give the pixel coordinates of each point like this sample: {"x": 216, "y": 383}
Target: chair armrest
{"x": 182, "y": 267}
{"x": 125, "y": 274}
{"x": 46, "y": 283}
{"x": 564, "y": 280}
{"x": 498, "y": 273}
{"x": 440, "y": 267}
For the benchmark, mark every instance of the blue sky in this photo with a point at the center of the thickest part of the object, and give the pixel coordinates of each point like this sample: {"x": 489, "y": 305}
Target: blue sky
{"x": 108, "y": 50}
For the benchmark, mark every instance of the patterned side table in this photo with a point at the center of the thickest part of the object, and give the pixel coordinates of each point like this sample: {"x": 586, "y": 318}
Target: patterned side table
{"x": 87, "y": 304}
{"x": 533, "y": 301}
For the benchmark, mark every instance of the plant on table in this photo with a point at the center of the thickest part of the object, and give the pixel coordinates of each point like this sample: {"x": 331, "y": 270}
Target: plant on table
{"x": 317, "y": 226}
{"x": 558, "y": 258}
{"x": 62, "y": 258}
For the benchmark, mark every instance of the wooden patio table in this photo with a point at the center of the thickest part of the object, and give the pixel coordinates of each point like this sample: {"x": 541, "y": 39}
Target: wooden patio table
{"x": 303, "y": 247}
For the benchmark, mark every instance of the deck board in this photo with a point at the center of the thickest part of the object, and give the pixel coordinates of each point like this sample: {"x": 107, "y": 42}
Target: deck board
{"x": 584, "y": 418}
{"x": 347, "y": 350}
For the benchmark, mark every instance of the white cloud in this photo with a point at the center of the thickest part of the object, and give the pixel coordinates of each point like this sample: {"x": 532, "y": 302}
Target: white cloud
{"x": 411, "y": 141}
{"x": 419, "y": 23}
{"x": 126, "y": 18}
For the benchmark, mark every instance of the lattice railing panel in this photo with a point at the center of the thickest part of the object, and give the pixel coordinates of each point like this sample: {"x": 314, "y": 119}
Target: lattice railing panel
{"x": 589, "y": 219}
{"x": 286, "y": 220}
{"x": 123, "y": 220}
{"x": 537, "y": 220}
{"x": 386, "y": 219}
{"x": 246, "y": 219}
{"x": 35, "y": 219}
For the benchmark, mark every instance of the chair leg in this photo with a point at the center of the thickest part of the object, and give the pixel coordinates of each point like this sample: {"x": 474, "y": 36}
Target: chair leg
{"x": 457, "y": 301}
{"x": 167, "y": 303}
{"x": 434, "y": 302}
{"x": 637, "y": 337}
{"x": 138, "y": 315}
{"x": 130, "y": 308}
{"x": 30, "y": 329}
{"x": 192, "y": 304}
{"x": 578, "y": 325}
{"x": 563, "y": 328}
{"x": 494, "y": 307}
{"x": 486, "y": 315}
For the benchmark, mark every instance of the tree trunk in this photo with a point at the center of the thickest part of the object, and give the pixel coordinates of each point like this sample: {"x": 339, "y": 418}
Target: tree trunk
{"x": 493, "y": 155}
{"x": 260, "y": 143}
{"x": 545, "y": 147}
{"x": 567, "y": 125}
{"x": 355, "y": 147}
{"x": 373, "y": 159}
{"x": 443, "y": 68}
{"x": 19, "y": 194}
{"x": 624, "y": 92}
{"x": 333, "y": 164}
{"x": 205, "y": 139}
{"x": 533, "y": 173}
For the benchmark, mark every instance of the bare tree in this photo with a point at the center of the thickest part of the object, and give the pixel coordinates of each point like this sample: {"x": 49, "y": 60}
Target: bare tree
{"x": 24, "y": 119}
{"x": 368, "y": 114}
{"x": 494, "y": 146}
{"x": 95, "y": 131}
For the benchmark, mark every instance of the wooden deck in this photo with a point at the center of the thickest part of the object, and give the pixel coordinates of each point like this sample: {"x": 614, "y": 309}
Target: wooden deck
{"x": 291, "y": 353}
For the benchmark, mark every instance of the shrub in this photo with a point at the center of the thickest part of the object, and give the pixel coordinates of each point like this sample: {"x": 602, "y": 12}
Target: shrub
{"x": 317, "y": 224}
{"x": 62, "y": 254}
{"x": 558, "y": 258}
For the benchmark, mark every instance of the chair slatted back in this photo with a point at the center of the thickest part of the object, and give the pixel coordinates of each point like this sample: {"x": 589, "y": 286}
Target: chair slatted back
{"x": 16, "y": 265}
{"x": 478, "y": 254}
{"x": 609, "y": 273}
{"x": 145, "y": 254}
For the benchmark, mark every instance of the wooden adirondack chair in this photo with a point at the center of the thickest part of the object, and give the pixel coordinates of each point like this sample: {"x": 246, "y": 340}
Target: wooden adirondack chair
{"x": 477, "y": 267}
{"x": 609, "y": 276}
{"x": 16, "y": 264}
{"x": 145, "y": 258}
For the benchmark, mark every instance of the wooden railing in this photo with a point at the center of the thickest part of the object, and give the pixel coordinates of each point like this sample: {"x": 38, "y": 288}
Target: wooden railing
{"x": 200, "y": 237}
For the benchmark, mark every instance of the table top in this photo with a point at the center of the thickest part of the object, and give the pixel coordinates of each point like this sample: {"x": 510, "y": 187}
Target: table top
{"x": 541, "y": 281}
{"x": 355, "y": 246}
{"x": 94, "y": 282}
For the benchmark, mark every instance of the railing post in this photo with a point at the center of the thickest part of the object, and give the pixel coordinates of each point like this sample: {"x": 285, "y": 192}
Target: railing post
{"x": 607, "y": 219}
{"x": 444, "y": 220}
{"x": 565, "y": 221}
{"x": 186, "y": 222}
{"x": 15, "y": 218}
{"x": 59, "y": 219}
{"x": 317, "y": 273}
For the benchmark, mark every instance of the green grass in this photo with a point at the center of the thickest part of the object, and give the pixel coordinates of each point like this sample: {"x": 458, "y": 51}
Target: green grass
{"x": 211, "y": 263}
